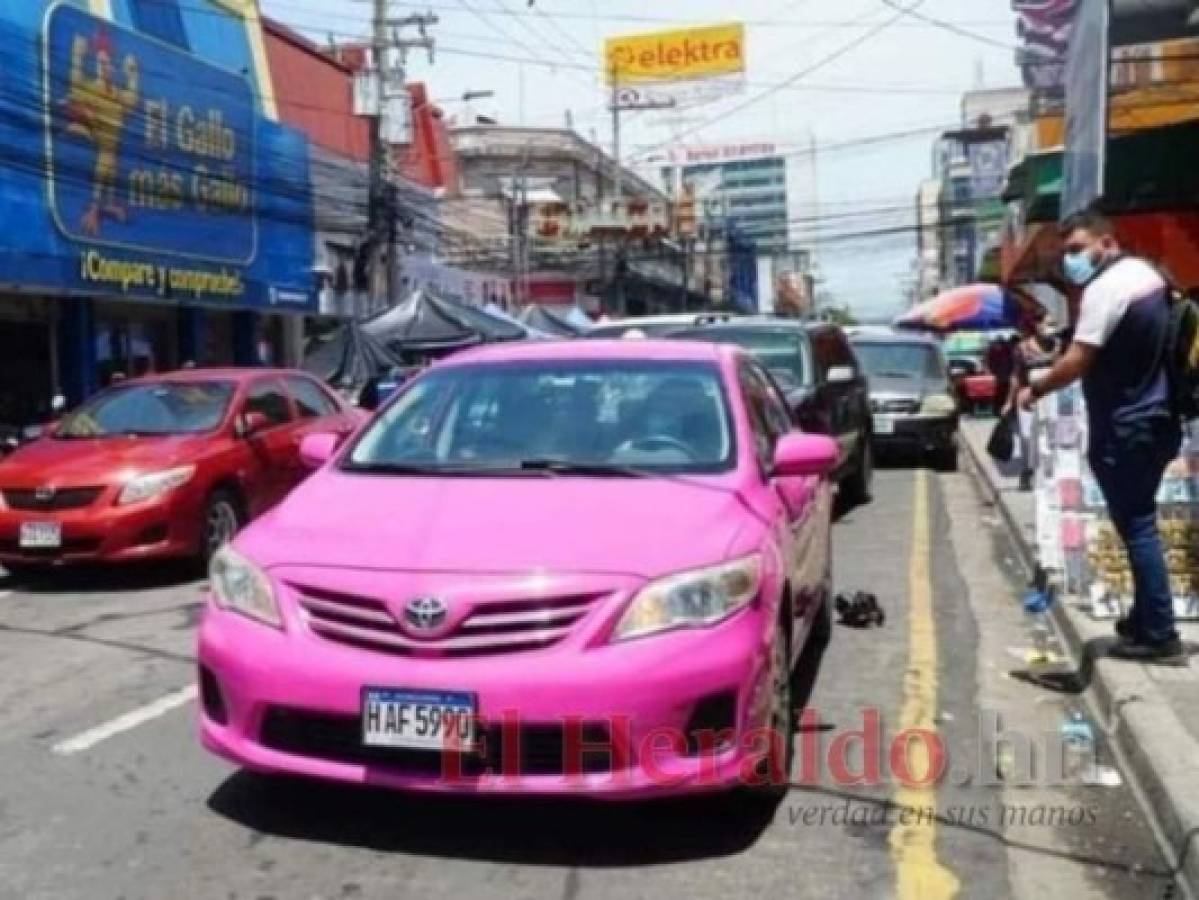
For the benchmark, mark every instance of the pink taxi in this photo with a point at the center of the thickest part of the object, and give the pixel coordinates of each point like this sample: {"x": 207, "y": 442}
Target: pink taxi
{"x": 584, "y": 568}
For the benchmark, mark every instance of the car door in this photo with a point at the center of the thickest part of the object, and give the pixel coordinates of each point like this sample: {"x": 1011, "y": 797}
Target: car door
{"x": 274, "y": 448}
{"x": 841, "y": 391}
{"x": 807, "y": 502}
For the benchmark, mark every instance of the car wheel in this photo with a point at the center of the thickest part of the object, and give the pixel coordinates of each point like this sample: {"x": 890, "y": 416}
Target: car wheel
{"x": 857, "y": 485}
{"x": 223, "y": 518}
{"x": 772, "y": 788}
{"x": 945, "y": 459}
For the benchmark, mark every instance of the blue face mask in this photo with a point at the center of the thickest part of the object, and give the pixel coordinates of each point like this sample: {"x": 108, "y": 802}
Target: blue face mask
{"x": 1078, "y": 267}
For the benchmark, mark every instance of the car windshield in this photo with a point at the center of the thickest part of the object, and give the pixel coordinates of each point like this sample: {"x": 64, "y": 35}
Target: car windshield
{"x": 781, "y": 351}
{"x": 150, "y": 409}
{"x": 899, "y": 360}
{"x": 554, "y": 417}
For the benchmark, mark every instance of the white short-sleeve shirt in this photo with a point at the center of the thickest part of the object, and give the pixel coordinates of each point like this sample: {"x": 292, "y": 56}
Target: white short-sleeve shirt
{"x": 1107, "y": 298}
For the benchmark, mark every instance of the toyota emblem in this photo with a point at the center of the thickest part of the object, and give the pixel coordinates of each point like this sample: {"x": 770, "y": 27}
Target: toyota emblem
{"x": 44, "y": 494}
{"x": 426, "y": 613}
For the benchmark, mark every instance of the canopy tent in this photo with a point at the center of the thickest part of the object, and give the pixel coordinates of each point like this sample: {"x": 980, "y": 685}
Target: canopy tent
{"x": 348, "y": 356}
{"x": 564, "y": 323}
{"x": 425, "y": 323}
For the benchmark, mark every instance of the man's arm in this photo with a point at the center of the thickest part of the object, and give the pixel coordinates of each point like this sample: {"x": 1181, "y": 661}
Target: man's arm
{"x": 1073, "y": 365}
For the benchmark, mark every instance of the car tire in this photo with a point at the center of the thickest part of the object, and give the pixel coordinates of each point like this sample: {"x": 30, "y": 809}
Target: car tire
{"x": 771, "y": 790}
{"x": 945, "y": 459}
{"x": 857, "y": 486}
{"x": 223, "y": 517}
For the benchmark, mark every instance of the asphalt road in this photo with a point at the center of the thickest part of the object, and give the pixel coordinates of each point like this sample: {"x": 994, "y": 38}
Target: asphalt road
{"x": 106, "y": 793}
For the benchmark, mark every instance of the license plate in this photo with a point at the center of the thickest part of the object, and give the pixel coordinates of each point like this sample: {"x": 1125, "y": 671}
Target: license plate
{"x": 41, "y": 535}
{"x": 884, "y": 425}
{"x": 418, "y": 720}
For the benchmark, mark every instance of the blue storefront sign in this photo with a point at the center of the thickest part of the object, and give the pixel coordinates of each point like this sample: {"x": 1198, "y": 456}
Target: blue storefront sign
{"x": 132, "y": 168}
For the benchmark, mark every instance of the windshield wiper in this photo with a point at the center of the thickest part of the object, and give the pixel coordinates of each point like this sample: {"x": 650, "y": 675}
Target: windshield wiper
{"x": 595, "y": 470}
{"x": 386, "y": 468}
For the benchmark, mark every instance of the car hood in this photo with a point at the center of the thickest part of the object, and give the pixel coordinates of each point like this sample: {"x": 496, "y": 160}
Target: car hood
{"x": 93, "y": 461}
{"x": 642, "y": 527}
{"x": 915, "y": 387}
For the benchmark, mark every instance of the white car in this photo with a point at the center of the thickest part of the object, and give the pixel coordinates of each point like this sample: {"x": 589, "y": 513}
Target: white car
{"x": 653, "y": 326}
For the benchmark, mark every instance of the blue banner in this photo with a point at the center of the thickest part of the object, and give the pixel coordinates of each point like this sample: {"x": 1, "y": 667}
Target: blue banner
{"x": 129, "y": 168}
{"x": 149, "y": 148}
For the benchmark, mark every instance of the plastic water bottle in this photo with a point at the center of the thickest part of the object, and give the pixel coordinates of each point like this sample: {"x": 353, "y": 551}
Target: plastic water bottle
{"x": 1036, "y": 609}
{"x": 1078, "y": 741}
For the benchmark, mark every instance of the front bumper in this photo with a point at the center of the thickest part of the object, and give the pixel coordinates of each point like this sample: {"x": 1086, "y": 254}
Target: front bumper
{"x": 290, "y": 702}
{"x": 105, "y": 532}
{"x": 917, "y": 432}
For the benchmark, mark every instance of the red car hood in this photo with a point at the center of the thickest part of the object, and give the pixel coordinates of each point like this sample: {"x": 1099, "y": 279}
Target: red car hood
{"x": 90, "y": 462}
{"x": 640, "y": 527}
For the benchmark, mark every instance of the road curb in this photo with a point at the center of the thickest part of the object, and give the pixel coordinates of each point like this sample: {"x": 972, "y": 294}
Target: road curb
{"x": 1155, "y": 748}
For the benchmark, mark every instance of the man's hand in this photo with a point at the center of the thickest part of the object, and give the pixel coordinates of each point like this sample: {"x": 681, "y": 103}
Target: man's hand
{"x": 1027, "y": 399}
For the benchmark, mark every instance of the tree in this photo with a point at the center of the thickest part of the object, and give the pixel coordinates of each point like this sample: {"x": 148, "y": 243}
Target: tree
{"x": 838, "y": 315}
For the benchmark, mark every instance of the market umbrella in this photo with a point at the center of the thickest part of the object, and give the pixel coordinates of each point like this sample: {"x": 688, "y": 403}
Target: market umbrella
{"x": 424, "y": 323}
{"x": 973, "y": 307}
{"x": 531, "y": 332}
{"x": 563, "y": 323}
{"x": 348, "y": 356}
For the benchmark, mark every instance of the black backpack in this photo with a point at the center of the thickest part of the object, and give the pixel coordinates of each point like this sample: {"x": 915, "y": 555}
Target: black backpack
{"x": 1181, "y": 353}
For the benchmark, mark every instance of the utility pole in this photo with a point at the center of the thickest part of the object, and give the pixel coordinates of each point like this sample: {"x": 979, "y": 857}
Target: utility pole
{"x": 626, "y": 102}
{"x": 388, "y": 86}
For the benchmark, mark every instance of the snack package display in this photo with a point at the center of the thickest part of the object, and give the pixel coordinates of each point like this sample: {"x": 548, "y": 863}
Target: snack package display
{"x": 1076, "y": 540}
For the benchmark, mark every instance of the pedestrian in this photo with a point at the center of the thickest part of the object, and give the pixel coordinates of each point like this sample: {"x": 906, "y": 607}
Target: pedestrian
{"x": 998, "y": 361}
{"x": 1033, "y": 353}
{"x": 1134, "y": 434}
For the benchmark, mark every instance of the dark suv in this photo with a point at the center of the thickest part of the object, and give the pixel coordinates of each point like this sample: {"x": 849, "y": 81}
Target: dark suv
{"x": 819, "y": 375}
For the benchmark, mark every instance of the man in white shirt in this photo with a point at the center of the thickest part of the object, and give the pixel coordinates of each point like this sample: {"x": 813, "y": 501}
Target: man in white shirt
{"x": 1117, "y": 351}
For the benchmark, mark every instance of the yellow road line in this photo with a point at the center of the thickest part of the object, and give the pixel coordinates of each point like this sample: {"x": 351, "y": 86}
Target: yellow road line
{"x": 913, "y": 839}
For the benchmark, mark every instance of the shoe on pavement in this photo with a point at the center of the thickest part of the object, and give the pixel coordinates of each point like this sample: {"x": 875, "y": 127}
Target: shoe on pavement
{"x": 1167, "y": 652}
{"x": 1124, "y": 628}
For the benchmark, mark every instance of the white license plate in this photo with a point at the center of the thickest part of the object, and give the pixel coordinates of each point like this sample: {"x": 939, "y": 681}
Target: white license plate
{"x": 41, "y": 535}
{"x": 418, "y": 720}
{"x": 884, "y": 425}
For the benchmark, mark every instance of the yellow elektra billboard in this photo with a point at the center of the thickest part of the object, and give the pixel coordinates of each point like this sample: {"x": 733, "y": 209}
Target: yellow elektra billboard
{"x": 688, "y": 54}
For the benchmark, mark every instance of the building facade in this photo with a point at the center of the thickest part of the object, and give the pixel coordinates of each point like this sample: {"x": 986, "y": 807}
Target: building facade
{"x": 152, "y": 209}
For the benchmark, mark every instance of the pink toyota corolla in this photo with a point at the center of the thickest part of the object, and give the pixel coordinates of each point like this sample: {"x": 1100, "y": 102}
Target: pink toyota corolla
{"x": 568, "y": 568}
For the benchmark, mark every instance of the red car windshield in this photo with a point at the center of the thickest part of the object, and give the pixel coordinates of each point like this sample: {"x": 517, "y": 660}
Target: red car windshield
{"x": 150, "y": 409}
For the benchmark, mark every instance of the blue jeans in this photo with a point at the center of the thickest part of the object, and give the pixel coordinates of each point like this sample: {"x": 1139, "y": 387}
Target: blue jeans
{"x": 1129, "y": 475}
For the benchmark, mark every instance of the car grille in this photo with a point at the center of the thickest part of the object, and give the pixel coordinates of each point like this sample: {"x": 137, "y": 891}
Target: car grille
{"x": 63, "y": 498}
{"x": 499, "y": 627}
{"x": 541, "y": 749}
{"x": 895, "y": 406}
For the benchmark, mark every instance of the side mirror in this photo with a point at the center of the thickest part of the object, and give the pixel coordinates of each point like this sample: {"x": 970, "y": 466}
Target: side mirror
{"x": 841, "y": 375}
{"x": 799, "y": 455}
{"x": 318, "y": 448}
{"x": 249, "y": 424}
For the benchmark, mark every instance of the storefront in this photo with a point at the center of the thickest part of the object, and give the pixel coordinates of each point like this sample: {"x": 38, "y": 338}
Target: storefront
{"x": 151, "y": 212}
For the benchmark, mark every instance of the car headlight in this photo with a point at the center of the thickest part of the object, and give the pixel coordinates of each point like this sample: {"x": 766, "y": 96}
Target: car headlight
{"x": 240, "y": 586}
{"x": 691, "y": 599}
{"x": 938, "y": 405}
{"x": 154, "y": 484}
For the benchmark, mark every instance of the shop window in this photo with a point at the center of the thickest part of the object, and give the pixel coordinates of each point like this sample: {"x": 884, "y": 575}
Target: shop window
{"x": 161, "y": 19}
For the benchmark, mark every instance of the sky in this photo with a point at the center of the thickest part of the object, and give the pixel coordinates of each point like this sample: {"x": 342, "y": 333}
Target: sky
{"x": 832, "y": 73}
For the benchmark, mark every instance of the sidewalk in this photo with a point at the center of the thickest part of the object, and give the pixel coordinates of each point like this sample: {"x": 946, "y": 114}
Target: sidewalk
{"x": 1151, "y": 713}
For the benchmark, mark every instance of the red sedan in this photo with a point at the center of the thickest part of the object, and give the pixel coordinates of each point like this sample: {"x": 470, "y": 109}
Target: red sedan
{"x": 164, "y": 466}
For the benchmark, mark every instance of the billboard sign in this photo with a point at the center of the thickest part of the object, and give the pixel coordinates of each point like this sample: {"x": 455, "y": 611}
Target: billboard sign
{"x": 690, "y": 54}
{"x": 1087, "y": 66}
{"x": 988, "y": 168}
{"x": 148, "y": 148}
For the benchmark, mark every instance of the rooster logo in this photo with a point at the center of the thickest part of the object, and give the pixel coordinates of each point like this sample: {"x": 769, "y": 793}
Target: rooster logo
{"x": 95, "y": 109}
